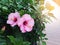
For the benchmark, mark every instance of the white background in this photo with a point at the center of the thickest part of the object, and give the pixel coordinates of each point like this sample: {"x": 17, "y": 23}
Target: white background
{"x": 53, "y": 29}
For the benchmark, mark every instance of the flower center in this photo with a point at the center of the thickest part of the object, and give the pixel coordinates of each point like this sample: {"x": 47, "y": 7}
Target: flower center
{"x": 15, "y": 19}
{"x": 25, "y": 22}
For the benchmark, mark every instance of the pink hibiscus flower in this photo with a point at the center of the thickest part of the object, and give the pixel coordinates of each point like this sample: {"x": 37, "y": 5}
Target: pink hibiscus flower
{"x": 26, "y": 23}
{"x": 13, "y": 18}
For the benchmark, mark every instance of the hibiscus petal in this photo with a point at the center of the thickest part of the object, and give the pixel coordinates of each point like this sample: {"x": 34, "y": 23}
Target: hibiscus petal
{"x": 13, "y": 24}
{"x": 22, "y": 29}
{"x": 28, "y": 29}
{"x": 13, "y": 18}
{"x": 26, "y": 16}
{"x": 10, "y": 16}
{"x": 17, "y": 15}
{"x": 20, "y": 21}
{"x": 10, "y": 22}
{"x": 31, "y": 23}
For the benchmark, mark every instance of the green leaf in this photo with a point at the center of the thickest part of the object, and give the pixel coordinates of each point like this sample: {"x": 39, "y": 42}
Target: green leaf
{"x": 18, "y": 1}
{"x": 33, "y": 1}
{"x": 19, "y": 41}
{"x": 46, "y": 38}
{"x": 5, "y": 8}
{"x": 4, "y": 2}
{"x": 12, "y": 39}
{"x": 43, "y": 35}
{"x": 2, "y": 40}
{"x": 19, "y": 6}
{"x": 43, "y": 43}
{"x": 26, "y": 43}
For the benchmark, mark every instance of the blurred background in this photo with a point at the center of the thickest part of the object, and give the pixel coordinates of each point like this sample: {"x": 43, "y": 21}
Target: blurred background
{"x": 53, "y": 28}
